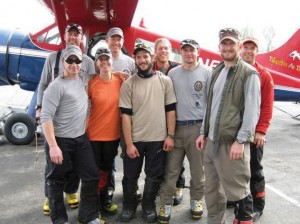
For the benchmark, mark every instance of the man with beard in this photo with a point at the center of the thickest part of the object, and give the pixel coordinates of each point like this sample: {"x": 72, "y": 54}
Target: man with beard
{"x": 147, "y": 103}
{"x": 190, "y": 82}
{"x": 232, "y": 112}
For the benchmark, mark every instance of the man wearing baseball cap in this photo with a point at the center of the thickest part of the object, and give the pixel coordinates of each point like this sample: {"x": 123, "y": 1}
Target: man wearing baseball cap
{"x": 190, "y": 82}
{"x": 147, "y": 103}
{"x": 232, "y": 112}
{"x": 63, "y": 118}
{"x": 250, "y": 46}
{"x": 52, "y": 68}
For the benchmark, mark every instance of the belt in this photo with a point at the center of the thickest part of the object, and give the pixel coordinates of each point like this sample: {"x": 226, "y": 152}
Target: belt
{"x": 187, "y": 123}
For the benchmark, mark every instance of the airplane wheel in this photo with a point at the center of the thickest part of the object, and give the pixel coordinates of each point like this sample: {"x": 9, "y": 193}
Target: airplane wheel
{"x": 19, "y": 129}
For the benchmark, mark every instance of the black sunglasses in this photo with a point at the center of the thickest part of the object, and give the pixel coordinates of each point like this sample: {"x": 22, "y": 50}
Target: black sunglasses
{"x": 71, "y": 61}
{"x": 229, "y": 31}
{"x": 103, "y": 51}
{"x": 189, "y": 41}
{"x": 74, "y": 25}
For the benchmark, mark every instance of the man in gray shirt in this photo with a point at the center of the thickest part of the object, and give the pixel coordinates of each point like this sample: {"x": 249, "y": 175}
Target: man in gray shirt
{"x": 73, "y": 36}
{"x": 233, "y": 107}
{"x": 190, "y": 82}
{"x": 63, "y": 120}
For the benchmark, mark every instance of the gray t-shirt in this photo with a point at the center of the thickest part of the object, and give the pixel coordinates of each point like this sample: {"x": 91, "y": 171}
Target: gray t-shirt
{"x": 65, "y": 103}
{"x": 124, "y": 63}
{"x": 47, "y": 76}
{"x": 191, "y": 88}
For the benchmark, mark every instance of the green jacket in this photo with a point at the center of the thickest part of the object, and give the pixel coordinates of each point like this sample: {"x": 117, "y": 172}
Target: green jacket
{"x": 231, "y": 109}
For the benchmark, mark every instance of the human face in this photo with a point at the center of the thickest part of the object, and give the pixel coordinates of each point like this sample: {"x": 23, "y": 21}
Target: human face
{"x": 104, "y": 63}
{"x": 189, "y": 55}
{"x": 229, "y": 50}
{"x": 73, "y": 37}
{"x": 248, "y": 52}
{"x": 143, "y": 60}
{"x": 72, "y": 69}
{"x": 162, "y": 52}
{"x": 115, "y": 43}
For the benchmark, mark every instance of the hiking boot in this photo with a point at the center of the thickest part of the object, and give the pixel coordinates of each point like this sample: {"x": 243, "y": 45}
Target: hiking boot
{"x": 107, "y": 204}
{"x": 164, "y": 214}
{"x": 95, "y": 221}
{"x": 46, "y": 207}
{"x": 178, "y": 196}
{"x": 196, "y": 209}
{"x": 150, "y": 215}
{"x": 72, "y": 200}
{"x": 127, "y": 215}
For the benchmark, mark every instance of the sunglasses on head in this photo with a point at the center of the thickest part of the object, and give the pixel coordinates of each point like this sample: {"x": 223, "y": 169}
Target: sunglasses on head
{"x": 188, "y": 41}
{"x": 74, "y": 25}
{"x": 71, "y": 61}
{"x": 102, "y": 51}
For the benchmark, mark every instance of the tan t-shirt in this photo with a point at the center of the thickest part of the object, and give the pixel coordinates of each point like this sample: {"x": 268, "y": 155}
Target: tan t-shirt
{"x": 147, "y": 97}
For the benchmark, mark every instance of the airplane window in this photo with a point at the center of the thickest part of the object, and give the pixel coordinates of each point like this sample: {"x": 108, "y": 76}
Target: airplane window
{"x": 50, "y": 37}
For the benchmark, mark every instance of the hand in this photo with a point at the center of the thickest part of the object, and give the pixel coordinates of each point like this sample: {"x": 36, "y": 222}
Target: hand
{"x": 132, "y": 152}
{"x": 201, "y": 142}
{"x": 236, "y": 151}
{"x": 56, "y": 154}
{"x": 123, "y": 75}
{"x": 259, "y": 139}
{"x": 168, "y": 144}
{"x": 38, "y": 116}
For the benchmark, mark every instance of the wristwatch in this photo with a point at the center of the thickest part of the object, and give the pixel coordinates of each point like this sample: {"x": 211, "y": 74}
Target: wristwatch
{"x": 38, "y": 106}
{"x": 171, "y": 136}
{"x": 240, "y": 141}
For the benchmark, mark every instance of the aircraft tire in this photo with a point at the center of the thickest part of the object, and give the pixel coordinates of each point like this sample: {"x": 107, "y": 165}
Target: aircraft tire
{"x": 19, "y": 129}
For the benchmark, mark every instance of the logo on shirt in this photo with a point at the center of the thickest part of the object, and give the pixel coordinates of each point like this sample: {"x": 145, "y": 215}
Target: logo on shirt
{"x": 198, "y": 86}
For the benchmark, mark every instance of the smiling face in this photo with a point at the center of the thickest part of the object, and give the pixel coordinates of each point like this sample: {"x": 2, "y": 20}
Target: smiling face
{"x": 143, "y": 60}
{"x": 162, "y": 52}
{"x": 189, "y": 55}
{"x": 115, "y": 43}
{"x": 72, "y": 65}
{"x": 73, "y": 37}
{"x": 248, "y": 52}
{"x": 104, "y": 64}
{"x": 229, "y": 50}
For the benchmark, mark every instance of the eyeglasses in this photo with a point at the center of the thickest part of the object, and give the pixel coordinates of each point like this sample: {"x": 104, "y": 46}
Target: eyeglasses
{"x": 74, "y": 25}
{"x": 71, "y": 61}
{"x": 190, "y": 42}
{"x": 230, "y": 31}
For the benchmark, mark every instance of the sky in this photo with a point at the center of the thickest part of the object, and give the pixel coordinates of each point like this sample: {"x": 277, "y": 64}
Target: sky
{"x": 180, "y": 19}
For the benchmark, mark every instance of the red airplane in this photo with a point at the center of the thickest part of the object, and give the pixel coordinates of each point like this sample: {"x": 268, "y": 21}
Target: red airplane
{"x": 22, "y": 55}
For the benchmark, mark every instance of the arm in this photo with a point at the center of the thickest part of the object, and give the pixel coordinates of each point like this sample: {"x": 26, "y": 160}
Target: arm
{"x": 131, "y": 150}
{"x": 55, "y": 152}
{"x": 250, "y": 117}
{"x": 169, "y": 141}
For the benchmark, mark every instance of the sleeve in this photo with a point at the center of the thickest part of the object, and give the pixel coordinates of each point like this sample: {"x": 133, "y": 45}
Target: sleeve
{"x": 46, "y": 78}
{"x": 267, "y": 101}
{"x": 91, "y": 70}
{"x": 51, "y": 102}
{"x": 252, "y": 99}
{"x": 125, "y": 95}
{"x": 170, "y": 97}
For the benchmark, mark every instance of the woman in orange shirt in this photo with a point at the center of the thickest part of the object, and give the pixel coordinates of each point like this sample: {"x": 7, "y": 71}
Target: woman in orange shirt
{"x": 103, "y": 126}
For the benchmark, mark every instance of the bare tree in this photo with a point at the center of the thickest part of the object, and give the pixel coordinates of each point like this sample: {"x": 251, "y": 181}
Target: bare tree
{"x": 269, "y": 34}
{"x": 246, "y": 32}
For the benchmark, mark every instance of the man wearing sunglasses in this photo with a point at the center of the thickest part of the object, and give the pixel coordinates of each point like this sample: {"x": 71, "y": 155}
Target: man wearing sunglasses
{"x": 232, "y": 112}
{"x": 147, "y": 103}
{"x": 190, "y": 82}
{"x": 63, "y": 118}
{"x": 52, "y": 67}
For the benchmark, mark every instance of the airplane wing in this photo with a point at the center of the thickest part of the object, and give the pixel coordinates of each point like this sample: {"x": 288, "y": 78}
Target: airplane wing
{"x": 93, "y": 13}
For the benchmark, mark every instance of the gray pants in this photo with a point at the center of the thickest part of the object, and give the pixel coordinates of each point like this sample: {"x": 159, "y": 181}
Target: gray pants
{"x": 185, "y": 138}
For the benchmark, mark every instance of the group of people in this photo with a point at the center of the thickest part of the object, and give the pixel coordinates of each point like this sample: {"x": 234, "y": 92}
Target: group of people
{"x": 160, "y": 112}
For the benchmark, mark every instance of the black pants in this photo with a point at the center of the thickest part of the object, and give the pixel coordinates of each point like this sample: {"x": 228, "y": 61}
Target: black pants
{"x": 79, "y": 153}
{"x": 257, "y": 181}
{"x": 155, "y": 159}
{"x": 71, "y": 178}
{"x": 181, "y": 179}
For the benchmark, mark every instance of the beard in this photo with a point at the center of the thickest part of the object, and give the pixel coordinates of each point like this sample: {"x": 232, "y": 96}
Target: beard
{"x": 146, "y": 70}
{"x": 229, "y": 57}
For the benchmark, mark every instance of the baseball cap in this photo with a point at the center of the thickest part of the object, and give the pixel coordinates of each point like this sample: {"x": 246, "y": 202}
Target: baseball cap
{"x": 74, "y": 26}
{"x": 72, "y": 50}
{"x": 142, "y": 46}
{"x": 252, "y": 40}
{"x": 190, "y": 42}
{"x": 102, "y": 51}
{"x": 115, "y": 31}
{"x": 229, "y": 33}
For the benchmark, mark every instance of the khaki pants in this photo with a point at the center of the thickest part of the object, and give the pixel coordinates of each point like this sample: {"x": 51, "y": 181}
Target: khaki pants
{"x": 185, "y": 144}
{"x": 225, "y": 178}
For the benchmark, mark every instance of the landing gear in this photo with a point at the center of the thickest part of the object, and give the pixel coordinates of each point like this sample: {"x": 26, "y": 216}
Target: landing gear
{"x": 19, "y": 129}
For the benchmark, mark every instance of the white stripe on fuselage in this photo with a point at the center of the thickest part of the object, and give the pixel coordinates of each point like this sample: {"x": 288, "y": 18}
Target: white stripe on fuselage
{"x": 24, "y": 52}
{"x": 287, "y": 88}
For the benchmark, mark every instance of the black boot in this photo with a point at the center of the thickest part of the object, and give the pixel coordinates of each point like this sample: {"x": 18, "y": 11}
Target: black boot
{"x": 148, "y": 202}
{"x": 56, "y": 201}
{"x": 130, "y": 202}
{"x": 245, "y": 209}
